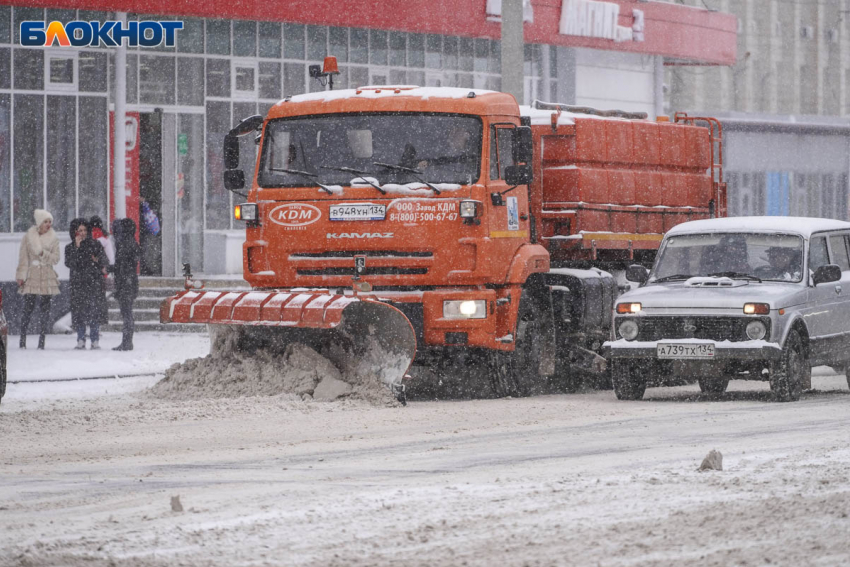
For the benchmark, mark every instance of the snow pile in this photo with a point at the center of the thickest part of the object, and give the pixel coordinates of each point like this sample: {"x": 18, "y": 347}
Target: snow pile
{"x": 232, "y": 372}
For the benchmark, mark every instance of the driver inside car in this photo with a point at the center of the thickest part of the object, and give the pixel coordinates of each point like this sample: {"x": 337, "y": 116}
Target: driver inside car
{"x": 783, "y": 264}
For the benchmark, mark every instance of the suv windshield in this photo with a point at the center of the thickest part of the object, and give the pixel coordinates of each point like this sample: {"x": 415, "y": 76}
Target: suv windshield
{"x": 337, "y": 148}
{"x": 776, "y": 257}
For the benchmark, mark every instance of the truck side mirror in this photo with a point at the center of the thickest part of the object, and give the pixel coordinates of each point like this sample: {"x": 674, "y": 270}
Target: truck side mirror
{"x": 637, "y": 273}
{"x": 827, "y": 274}
{"x": 231, "y": 152}
{"x": 234, "y": 179}
{"x": 523, "y": 148}
{"x": 519, "y": 175}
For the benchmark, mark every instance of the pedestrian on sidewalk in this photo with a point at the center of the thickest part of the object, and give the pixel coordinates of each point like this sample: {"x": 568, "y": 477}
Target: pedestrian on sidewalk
{"x": 127, "y": 255}
{"x": 88, "y": 262}
{"x": 99, "y": 234}
{"x": 36, "y": 278}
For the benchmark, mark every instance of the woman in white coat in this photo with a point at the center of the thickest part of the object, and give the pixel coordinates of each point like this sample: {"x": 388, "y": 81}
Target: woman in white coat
{"x": 37, "y": 280}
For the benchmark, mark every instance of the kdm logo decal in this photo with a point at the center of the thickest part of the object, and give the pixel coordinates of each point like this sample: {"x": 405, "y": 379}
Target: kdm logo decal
{"x": 295, "y": 214}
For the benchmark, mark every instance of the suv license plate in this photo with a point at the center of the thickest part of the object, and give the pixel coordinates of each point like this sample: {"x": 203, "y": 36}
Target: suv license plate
{"x": 675, "y": 350}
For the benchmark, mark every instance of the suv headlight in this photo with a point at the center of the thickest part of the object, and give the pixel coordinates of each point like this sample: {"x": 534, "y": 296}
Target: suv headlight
{"x": 756, "y": 330}
{"x": 628, "y": 329}
{"x": 465, "y": 309}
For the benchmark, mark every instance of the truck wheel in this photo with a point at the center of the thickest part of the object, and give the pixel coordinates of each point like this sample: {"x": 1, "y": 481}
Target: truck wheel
{"x": 713, "y": 385}
{"x": 789, "y": 372}
{"x": 628, "y": 378}
{"x": 512, "y": 373}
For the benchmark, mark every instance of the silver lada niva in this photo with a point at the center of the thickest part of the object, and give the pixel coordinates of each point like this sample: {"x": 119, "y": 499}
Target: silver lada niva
{"x": 747, "y": 298}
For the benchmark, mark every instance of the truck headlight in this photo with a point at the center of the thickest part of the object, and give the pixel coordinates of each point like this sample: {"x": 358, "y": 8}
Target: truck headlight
{"x": 465, "y": 309}
{"x": 628, "y": 329}
{"x": 245, "y": 212}
{"x": 756, "y": 330}
{"x": 468, "y": 209}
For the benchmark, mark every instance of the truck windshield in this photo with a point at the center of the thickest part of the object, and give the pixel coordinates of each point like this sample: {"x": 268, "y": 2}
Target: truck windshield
{"x": 339, "y": 148}
{"x": 776, "y": 257}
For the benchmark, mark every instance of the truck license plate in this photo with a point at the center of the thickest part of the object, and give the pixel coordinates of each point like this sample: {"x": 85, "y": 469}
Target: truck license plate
{"x": 358, "y": 212}
{"x": 674, "y": 350}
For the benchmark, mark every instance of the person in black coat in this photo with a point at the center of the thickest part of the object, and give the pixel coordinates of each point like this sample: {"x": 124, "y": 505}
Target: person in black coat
{"x": 127, "y": 254}
{"x": 87, "y": 261}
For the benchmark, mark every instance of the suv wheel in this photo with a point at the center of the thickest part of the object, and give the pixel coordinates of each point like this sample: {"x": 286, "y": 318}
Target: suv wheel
{"x": 629, "y": 378}
{"x": 713, "y": 385}
{"x": 788, "y": 374}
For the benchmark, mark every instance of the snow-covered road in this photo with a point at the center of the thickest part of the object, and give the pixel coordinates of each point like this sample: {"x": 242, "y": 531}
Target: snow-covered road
{"x": 87, "y": 474}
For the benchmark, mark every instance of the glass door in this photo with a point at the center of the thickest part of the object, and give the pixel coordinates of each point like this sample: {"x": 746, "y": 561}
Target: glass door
{"x": 189, "y": 192}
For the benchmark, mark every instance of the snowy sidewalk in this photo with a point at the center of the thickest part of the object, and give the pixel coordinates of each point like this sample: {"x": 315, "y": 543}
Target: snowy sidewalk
{"x": 153, "y": 353}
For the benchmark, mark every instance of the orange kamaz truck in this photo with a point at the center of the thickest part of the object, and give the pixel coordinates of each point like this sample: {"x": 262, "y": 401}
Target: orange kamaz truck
{"x": 426, "y": 222}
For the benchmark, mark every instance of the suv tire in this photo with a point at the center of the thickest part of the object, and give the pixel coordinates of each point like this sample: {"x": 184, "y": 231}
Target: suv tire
{"x": 788, "y": 374}
{"x": 713, "y": 385}
{"x": 628, "y": 378}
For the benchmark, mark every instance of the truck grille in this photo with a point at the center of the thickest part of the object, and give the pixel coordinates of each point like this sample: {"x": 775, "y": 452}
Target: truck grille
{"x": 377, "y": 271}
{"x": 367, "y": 253}
{"x": 709, "y": 328}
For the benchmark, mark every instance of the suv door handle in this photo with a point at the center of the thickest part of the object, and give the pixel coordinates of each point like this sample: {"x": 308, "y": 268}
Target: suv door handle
{"x": 838, "y": 289}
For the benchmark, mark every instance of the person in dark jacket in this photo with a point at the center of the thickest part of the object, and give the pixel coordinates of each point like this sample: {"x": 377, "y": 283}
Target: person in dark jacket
{"x": 87, "y": 261}
{"x": 127, "y": 254}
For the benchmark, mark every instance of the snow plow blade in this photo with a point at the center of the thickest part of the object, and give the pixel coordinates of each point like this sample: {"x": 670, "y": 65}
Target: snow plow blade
{"x": 358, "y": 334}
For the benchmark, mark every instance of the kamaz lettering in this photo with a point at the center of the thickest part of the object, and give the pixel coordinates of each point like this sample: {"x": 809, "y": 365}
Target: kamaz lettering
{"x": 360, "y": 235}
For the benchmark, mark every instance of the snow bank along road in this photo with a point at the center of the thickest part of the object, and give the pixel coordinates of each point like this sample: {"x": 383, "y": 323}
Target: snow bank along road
{"x": 88, "y": 469}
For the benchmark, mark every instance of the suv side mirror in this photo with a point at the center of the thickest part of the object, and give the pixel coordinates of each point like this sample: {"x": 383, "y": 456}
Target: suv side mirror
{"x": 523, "y": 149}
{"x": 234, "y": 179}
{"x": 518, "y": 175}
{"x": 637, "y": 273}
{"x": 231, "y": 152}
{"x": 826, "y": 274}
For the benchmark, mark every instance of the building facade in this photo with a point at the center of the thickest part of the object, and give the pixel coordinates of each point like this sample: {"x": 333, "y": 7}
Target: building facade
{"x": 233, "y": 60}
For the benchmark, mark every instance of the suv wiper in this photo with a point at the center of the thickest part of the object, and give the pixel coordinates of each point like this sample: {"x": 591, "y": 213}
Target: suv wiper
{"x": 673, "y": 277}
{"x": 416, "y": 173}
{"x": 739, "y": 275}
{"x": 358, "y": 172}
{"x": 302, "y": 173}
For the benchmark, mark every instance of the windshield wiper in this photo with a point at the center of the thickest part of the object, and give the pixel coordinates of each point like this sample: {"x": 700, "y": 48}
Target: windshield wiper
{"x": 303, "y": 173}
{"x": 673, "y": 277}
{"x": 358, "y": 172}
{"x": 739, "y": 275}
{"x": 416, "y": 173}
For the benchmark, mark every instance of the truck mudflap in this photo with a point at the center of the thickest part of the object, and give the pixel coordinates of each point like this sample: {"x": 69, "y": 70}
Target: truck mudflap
{"x": 348, "y": 329}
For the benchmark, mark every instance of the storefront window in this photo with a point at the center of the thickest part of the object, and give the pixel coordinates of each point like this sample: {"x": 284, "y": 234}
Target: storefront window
{"x": 93, "y": 156}
{"x": 218, "y": 37}
{"x": 218, "y": 77}
{"x": 416, "y": 50}
{"x": 29, "y": 69}
{"x": 5, "y": 68}
{"x": 359, "y": 76}
{"x": 156, "y": 79}
{"x": 359, "y": 52}
{"x": 293, "y": 78}
{"x": 338, "y": 41}
{"x": 466, "y": 54}
{"x": 293, "y": 41}
{"x": 92, "y": 68}
{"x": 29, "y": 158}
{"x": 132, "y": 78}
{"x": 434, "y": 48}
{"x": 190, "y": 81}
{"x": 5, "y": 163}
{"x": 244, "y": 39}
{"x": 5, "y": 25}
{"x": 218, "y": 198}
{"x": 377, "y": 47}
{"x": 24, "y": 15}
{"x": 482, "y": 55}
{"x": 317, "y": 43}
{"x": 191, "y": 38}
{"x": 450, "y": 53}
{"x": 269, "y": 40}
{"x": 495, "y": 64}
{"x": 61, "y": 157}
{"x": 269, "y": 79}
{"x": 398, "y": 49}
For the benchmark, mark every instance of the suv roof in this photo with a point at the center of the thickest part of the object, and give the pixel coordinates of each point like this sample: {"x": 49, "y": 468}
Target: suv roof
{"x": 803, "y": 226}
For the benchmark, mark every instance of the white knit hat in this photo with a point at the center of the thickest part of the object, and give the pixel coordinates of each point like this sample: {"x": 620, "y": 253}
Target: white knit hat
{"x": 41, "y": 215}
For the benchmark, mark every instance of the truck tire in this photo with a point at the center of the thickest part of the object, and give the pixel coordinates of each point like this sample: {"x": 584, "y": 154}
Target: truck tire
{"x": 628, "y": 378}
{"x": 713, "y": 385}
{"x": 513, "y": 373}
{"x": 788, "y": 374}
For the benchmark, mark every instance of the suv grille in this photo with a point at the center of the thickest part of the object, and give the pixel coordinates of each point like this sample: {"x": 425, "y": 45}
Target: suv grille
{"x": 710, "y": 328}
